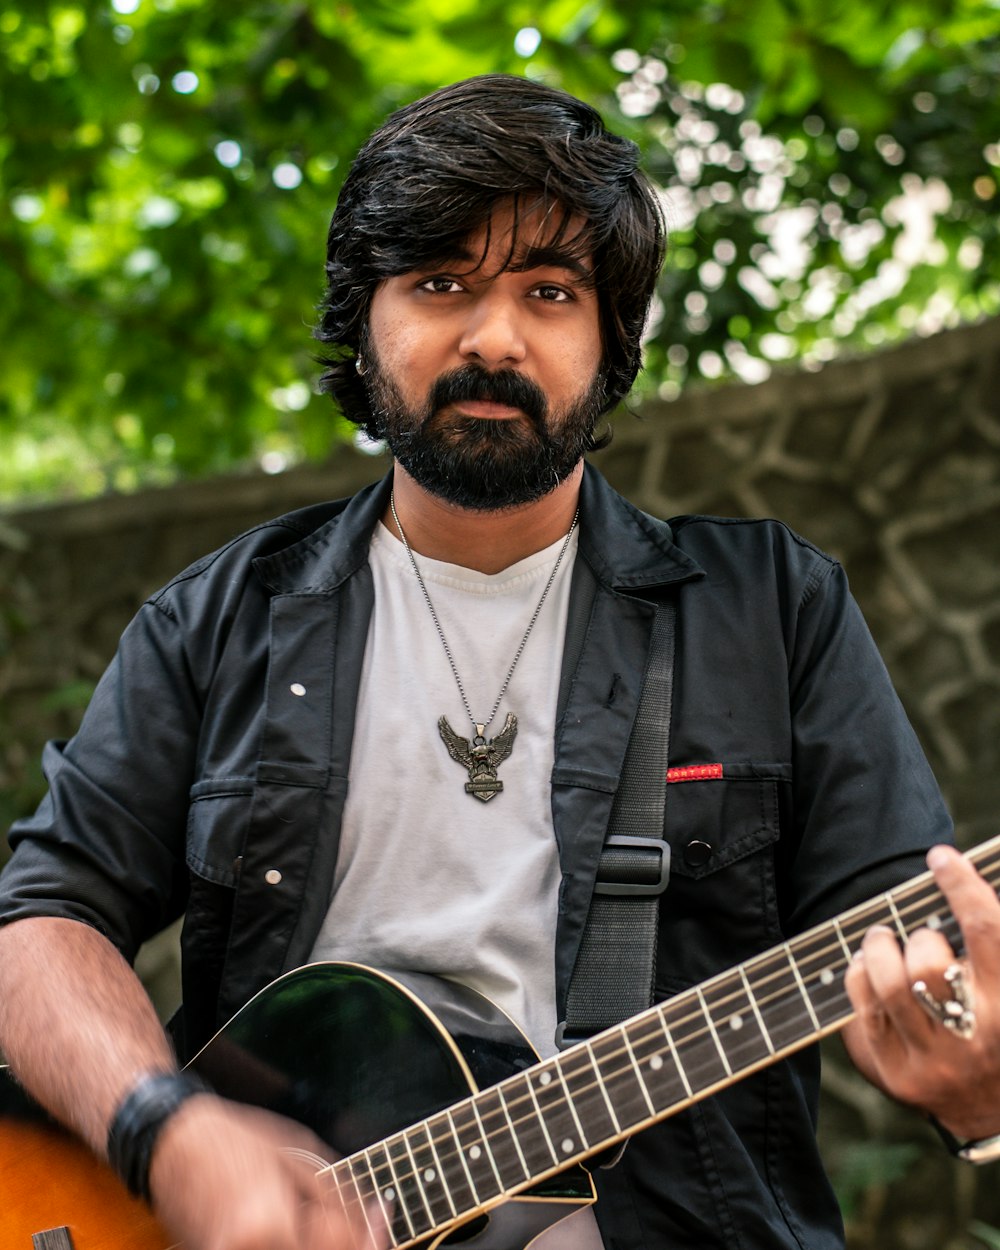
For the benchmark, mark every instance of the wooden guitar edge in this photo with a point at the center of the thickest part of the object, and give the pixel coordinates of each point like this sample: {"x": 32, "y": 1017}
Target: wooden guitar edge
{"x": 51, "y": 1181}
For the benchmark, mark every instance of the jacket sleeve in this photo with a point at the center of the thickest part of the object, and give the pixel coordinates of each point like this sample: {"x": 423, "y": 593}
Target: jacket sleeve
{"x": 866, "y": 805}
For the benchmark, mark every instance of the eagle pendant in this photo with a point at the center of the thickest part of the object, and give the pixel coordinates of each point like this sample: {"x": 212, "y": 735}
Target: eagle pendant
{"x": 480, "y": 757}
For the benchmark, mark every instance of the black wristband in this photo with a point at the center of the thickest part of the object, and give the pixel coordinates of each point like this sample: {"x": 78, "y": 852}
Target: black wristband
{"x": 136, "y": 1125}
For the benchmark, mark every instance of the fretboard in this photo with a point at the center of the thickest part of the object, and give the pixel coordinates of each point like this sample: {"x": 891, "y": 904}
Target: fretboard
{"x": 509, "y": 1136}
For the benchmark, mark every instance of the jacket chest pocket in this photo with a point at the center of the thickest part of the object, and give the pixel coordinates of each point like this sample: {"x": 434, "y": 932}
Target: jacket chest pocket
{"x": 721, "y": 905}
{"x": 218, "y": 820}
{"x": 250, "y": 847}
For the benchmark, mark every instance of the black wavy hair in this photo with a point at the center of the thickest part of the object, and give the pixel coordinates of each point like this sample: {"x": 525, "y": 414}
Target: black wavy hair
{"x": 433, "y": 173}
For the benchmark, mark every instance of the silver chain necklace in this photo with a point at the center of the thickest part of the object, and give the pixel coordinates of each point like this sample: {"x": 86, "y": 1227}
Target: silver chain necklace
{"x": 481, "y": 758}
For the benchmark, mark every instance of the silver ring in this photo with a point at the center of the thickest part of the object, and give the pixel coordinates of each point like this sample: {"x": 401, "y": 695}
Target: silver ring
{"x": 957, "y": 1012}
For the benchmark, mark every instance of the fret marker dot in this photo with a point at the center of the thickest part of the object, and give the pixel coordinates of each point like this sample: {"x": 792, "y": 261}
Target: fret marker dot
{"x": 826, "y": 977}
{"x": 934, "y": 922}
{"x": 567, "y": 1145}
{"x": 389, "y": 1194}
{"x": 736, "y": 1022}
{"x": 544, "y": 1078}
{"x": 430, "y": 1175}
{"x": 656, "y": 1062}
{"x": 474, "y": 1152}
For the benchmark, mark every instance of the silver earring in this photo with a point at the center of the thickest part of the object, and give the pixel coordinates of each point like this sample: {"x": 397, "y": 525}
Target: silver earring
{"x": 359, "y": 366}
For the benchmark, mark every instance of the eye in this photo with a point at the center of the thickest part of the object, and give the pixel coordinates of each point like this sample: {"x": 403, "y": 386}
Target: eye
{"x": 551, "y": 294}
{"x": 439, "y": 285}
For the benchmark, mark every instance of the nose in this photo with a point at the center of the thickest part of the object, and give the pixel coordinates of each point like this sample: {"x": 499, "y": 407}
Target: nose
{"x": 493, "y": 334}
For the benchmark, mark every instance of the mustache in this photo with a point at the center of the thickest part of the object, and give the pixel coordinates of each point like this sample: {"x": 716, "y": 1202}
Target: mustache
{"x": 505, "y": 386}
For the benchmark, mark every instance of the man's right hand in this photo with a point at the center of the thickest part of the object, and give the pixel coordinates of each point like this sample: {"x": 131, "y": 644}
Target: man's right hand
{"x": 228, "y": 1177}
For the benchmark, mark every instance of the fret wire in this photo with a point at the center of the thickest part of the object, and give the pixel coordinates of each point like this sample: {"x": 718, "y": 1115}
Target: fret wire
{"x": 865, "y": 914}
{"x": 601, "y": 1085}
{"x": 377, "y": 1189}
{"x": 756, "y": 1011}
{"x": 711, "y": 1028}
{"x": 914, "y": 897}
{"x": 638, "y": 1071}
{"x": 477, "y": 1150}
{"x": 848, "y": 953}
{"x": 405, "y": 1137}
{"x": 473, "y": 1187}
{"x": 438, "y": 1169}
{"x": 541, "y": 1121}
{"x": 554, "y": 1109}
{"x": 570, "y": 1102}
{"x": 503, "y": 1132}
{"x": 397, "y": 1188}
{"x": 576, "y": 1071}
{"x": 793, "y": 963}
{"x": 897, "y": 918}
{"x": 486, "y": 1145}
{"x": 421, "y": 1146}
{"x": 673, "y": 1051}
{"x": 619, "y": 1076}
{"x": 513, "y": 1132}
{"x": 730, "y": 1003}
{"x": 335, "y": 1174}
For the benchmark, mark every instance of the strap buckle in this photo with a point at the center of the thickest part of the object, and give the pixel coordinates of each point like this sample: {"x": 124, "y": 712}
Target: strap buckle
{"x": 635, "y": 888}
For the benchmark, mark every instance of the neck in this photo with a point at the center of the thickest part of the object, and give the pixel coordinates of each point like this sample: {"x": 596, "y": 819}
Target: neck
{"x": 488, "y": 542}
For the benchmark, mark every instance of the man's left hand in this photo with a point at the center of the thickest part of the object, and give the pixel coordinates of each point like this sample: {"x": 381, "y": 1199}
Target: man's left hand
{"x": 894, "y": 1040}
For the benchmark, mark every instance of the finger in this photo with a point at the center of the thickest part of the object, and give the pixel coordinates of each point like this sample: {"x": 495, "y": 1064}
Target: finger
{"x": 892, "y": 987}
{"x": 974, "y": 905}
{"x": 927, "y": 955}
{"x": 868, "y": 1009}
{"x": 344, "y": 1221}
{"x": 377, "y": 1225}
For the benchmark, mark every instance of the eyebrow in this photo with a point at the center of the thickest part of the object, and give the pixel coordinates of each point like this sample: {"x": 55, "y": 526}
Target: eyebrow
{"x": 551, "y": 257}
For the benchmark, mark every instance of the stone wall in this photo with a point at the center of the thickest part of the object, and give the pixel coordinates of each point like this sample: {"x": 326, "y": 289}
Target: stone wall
{"x": 891, "y": 462}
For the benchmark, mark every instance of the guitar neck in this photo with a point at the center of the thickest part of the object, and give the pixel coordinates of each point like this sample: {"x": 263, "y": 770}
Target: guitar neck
{"x": 601, "y": 1091}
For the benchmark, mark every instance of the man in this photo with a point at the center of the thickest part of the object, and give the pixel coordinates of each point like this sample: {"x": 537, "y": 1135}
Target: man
{"x": 391, "y": 729}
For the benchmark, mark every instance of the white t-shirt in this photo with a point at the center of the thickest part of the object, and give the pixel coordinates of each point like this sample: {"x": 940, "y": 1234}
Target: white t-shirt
{"x": 430, "y": 878}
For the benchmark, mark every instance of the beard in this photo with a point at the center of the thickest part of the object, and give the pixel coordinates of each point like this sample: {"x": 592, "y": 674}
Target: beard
{"x": 478, "y": 463}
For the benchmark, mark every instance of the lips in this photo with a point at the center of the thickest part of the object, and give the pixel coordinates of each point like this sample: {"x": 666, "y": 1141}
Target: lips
{"x": 487, "y": 410}
{"x": 472, "y": 391}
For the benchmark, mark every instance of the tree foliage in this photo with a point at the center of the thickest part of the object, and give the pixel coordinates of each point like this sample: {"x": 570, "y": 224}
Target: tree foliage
{"x": 168, "y": 167}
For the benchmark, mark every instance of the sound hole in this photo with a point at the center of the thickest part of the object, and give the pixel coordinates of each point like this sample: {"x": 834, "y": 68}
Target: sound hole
{"x": 470, "y": 1229}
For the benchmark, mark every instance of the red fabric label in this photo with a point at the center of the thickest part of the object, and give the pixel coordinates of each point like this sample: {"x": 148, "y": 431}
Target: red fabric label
{"x": 695, "y": 772}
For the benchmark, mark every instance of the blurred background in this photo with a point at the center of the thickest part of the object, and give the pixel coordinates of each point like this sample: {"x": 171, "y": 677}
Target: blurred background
{"x": 825, "y": 345}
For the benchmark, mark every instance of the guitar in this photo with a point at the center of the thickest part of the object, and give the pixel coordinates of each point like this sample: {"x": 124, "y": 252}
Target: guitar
{"x": 440, "y": 1112}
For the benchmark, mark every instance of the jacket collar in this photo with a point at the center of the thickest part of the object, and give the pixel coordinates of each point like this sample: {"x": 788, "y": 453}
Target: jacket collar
{"x": 321, "y": 561}
{"x": 627, "y": 550}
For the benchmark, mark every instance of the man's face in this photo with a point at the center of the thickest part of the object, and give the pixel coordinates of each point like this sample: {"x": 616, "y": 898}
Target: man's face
{"x": 483, "y": 370}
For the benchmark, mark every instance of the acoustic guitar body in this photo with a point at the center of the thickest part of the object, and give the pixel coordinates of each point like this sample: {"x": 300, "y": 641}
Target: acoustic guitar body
{"x": 353, "y": 1053}
{"x": 54, "y": 1195}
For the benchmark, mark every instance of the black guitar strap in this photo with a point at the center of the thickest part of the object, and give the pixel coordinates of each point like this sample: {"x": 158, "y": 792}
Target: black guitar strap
{"x": 616, "y": 964}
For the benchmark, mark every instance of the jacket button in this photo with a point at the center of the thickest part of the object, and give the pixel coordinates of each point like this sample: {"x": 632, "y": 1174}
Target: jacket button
{"x": 272, "y": 876}
{"x": 297, "y": 688}
{"x": 697, "y": 854}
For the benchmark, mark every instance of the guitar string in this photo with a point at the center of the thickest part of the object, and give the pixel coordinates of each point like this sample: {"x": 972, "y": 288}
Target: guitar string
{"x": 923, "y": 891}
{"x": 403, "y": 1175}
{"x": 908, "y": 900}
{"x": 521, "y": 1120}
{"x": 916, "y": 895}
